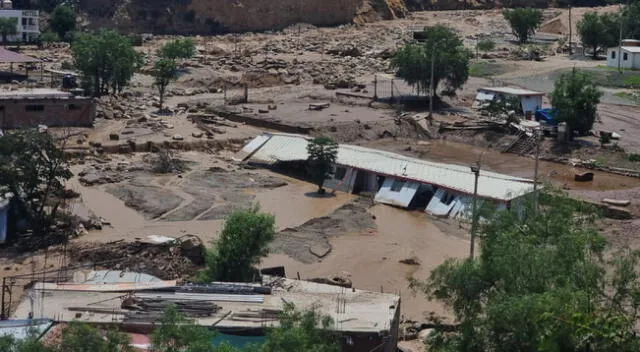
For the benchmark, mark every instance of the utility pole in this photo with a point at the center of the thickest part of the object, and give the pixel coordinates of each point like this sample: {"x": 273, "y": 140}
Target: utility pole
{"x": 431, "y": 87}
{"x": 570, "y": 33}
{"x": 538, "y": 136}
{"x": 620, "y": 40}
{"x": 475, "y": 168}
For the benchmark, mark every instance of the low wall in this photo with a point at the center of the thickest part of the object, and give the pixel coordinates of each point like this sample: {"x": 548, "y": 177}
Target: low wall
{"x": 68, "y": 112}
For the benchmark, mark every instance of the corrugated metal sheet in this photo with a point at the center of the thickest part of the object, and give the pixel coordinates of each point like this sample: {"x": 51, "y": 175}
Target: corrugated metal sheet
{"x": 115, "y": 287}
{"x": 8, "y": 56}
{"x": 180, "y": 296}
{"x": 21, "y": 329}
{"x": 281, "y": 147}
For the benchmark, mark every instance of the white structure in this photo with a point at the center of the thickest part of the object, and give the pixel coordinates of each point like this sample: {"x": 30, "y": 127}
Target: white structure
{"x": 27, "y": 22}
{"x": 443, "y": 189}
{"x": 628, "y": 55}
{"x": 530, "y": 100}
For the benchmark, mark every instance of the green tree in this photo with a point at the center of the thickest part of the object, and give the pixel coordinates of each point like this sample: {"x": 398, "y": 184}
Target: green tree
{"x": 178, "y": 49}
{"x": 106, "y": 59}
{"x": 63, "y": 20}
{"x": 8, "y": 26}
{"x": 80, "y": 337}
{"x": 176, "y": 333}
{"x": 164, "y": 72}
{"x": 576, "y": 97}
{"x": 33, "y": 169}
{"x": 450, "y": 61}
{"x": 243, "y": 242}
{"x": 31, "y": 344}
{"x": 322, "y": 154}
{"x": 48, "y": 37}
{"x": 598, "y": 31}
{"x": 523, "y": 21}
{"x": 302, "y": 331}
{"x": 540, "y": 284}
{"x": 486, "y": 45}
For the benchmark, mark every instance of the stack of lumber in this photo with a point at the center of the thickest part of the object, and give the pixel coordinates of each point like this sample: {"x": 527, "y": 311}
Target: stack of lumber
{"x": 154, "y": 307}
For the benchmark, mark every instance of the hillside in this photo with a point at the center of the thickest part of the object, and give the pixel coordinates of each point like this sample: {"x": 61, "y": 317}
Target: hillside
{"x": 218, "y": 16}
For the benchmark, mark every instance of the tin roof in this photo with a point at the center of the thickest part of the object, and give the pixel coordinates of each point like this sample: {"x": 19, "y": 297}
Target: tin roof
{"x": 9, "y": 56}
{"x": 271, "y": 148}
{"x": 511, "y": 91}
{"x": 35, "y": 93}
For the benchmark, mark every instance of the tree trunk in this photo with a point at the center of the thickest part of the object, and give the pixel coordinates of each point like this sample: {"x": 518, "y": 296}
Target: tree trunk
{"x": 595, "y": 52}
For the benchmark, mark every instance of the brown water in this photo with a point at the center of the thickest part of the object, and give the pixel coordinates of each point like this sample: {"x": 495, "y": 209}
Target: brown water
{"x": 292, "y": 205}
{"x": 373, "y": 259}
{"x": 558, "y": 175}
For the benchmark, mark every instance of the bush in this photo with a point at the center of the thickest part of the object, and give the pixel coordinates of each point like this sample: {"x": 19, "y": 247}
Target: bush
{"x": 486, "y": 45}
{"x": 634, "y": 157}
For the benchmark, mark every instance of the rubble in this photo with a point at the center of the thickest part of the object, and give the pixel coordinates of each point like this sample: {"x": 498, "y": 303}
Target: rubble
{"x": 179, "y": 259}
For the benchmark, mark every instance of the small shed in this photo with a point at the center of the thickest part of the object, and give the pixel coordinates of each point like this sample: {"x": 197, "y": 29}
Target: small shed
{"x": 627, "y": 55}
{"x": 530, "y": 100}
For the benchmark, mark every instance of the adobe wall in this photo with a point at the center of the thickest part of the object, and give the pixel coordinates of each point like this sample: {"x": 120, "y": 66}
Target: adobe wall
{"x": 55, "y": 113}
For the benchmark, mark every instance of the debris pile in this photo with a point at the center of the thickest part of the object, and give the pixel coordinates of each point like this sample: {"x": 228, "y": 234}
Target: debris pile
{"x": 171, "y": 260}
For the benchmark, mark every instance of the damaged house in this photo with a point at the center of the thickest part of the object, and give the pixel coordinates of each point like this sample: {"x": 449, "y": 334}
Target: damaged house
{"x": 398, "y": 180}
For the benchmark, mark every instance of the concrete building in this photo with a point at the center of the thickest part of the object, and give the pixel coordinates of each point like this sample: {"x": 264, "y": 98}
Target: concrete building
{"x": 49, "y": 107}
{"x": 530, "y": 100}
{"x": 27, "y": 22}
{"x": 367, "y": 321}
{"x": 628, "y": 55}
{"x": 440, "y": 189}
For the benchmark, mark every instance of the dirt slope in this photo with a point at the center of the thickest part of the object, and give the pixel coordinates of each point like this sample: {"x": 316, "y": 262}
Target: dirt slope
{"x": 218, "y": 16}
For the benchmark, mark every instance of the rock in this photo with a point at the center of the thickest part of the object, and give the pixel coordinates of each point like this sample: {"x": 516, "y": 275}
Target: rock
{"x": 423, "y": 334}
{"x": 410, "y": 261}
{"x": 197, "y": 134}
{"x": 183, "y": 106}
{"x": 177, "y": 137}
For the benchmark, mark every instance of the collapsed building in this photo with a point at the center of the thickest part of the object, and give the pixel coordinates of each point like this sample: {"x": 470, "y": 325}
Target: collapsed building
{"x": 440, "y": 189}
{"x": 241, "y": 313}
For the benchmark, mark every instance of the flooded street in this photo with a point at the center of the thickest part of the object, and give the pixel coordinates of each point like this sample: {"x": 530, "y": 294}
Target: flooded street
{"x": 373, "y": 259}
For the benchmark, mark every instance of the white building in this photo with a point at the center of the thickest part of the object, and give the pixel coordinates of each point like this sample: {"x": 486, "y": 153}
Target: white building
{"x": 628, "y": 55}
{"x": 27, "y": 22}
{"x": 530, "y": 100}
{"x": 439, "y": 189}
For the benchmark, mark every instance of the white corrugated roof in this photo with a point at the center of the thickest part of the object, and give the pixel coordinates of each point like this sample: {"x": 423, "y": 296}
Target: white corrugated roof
{"x": 511, "y": 91}
{"x": 631, "y": 49}
{"x": 285, "y": 147}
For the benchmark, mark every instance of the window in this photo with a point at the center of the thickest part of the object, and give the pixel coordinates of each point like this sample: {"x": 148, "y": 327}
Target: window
{"x": 35, "y": 107}
{"x": 397, "y": 185}
{"x": 448, "y": 198}
{"x": 613, "y": 54}
{"x": 24, "y": 21}
{"x": 340, "y": 173}
{"x": 72, "y": 107}
{"x": 625, "y": 56}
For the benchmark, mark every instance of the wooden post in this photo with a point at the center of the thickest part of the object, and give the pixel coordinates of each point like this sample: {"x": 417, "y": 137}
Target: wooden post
{"x": 375, "y": 87}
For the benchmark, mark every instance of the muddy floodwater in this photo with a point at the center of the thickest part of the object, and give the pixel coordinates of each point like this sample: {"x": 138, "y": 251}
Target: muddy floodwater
{"x": 372, "y": 258}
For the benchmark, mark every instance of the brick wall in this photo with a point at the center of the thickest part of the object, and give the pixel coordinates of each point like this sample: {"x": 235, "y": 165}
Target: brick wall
{"x": 71, "y": 112}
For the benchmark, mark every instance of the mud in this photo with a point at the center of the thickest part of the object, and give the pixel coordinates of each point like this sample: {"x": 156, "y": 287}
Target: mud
{"x": 143, "y": 195}
{"x": 559, "y": 175}
{"x": 309, "y": 242}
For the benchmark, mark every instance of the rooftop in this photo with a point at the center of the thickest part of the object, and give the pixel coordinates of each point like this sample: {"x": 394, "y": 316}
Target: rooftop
{"x": 8, "y": 56}
{"x": 274, "y": 147}
{"x": 362, "y": 311}
{"x": 35, "y": 93}
{"x": 511, "y": 91}
{"x": 631, "y": 49}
